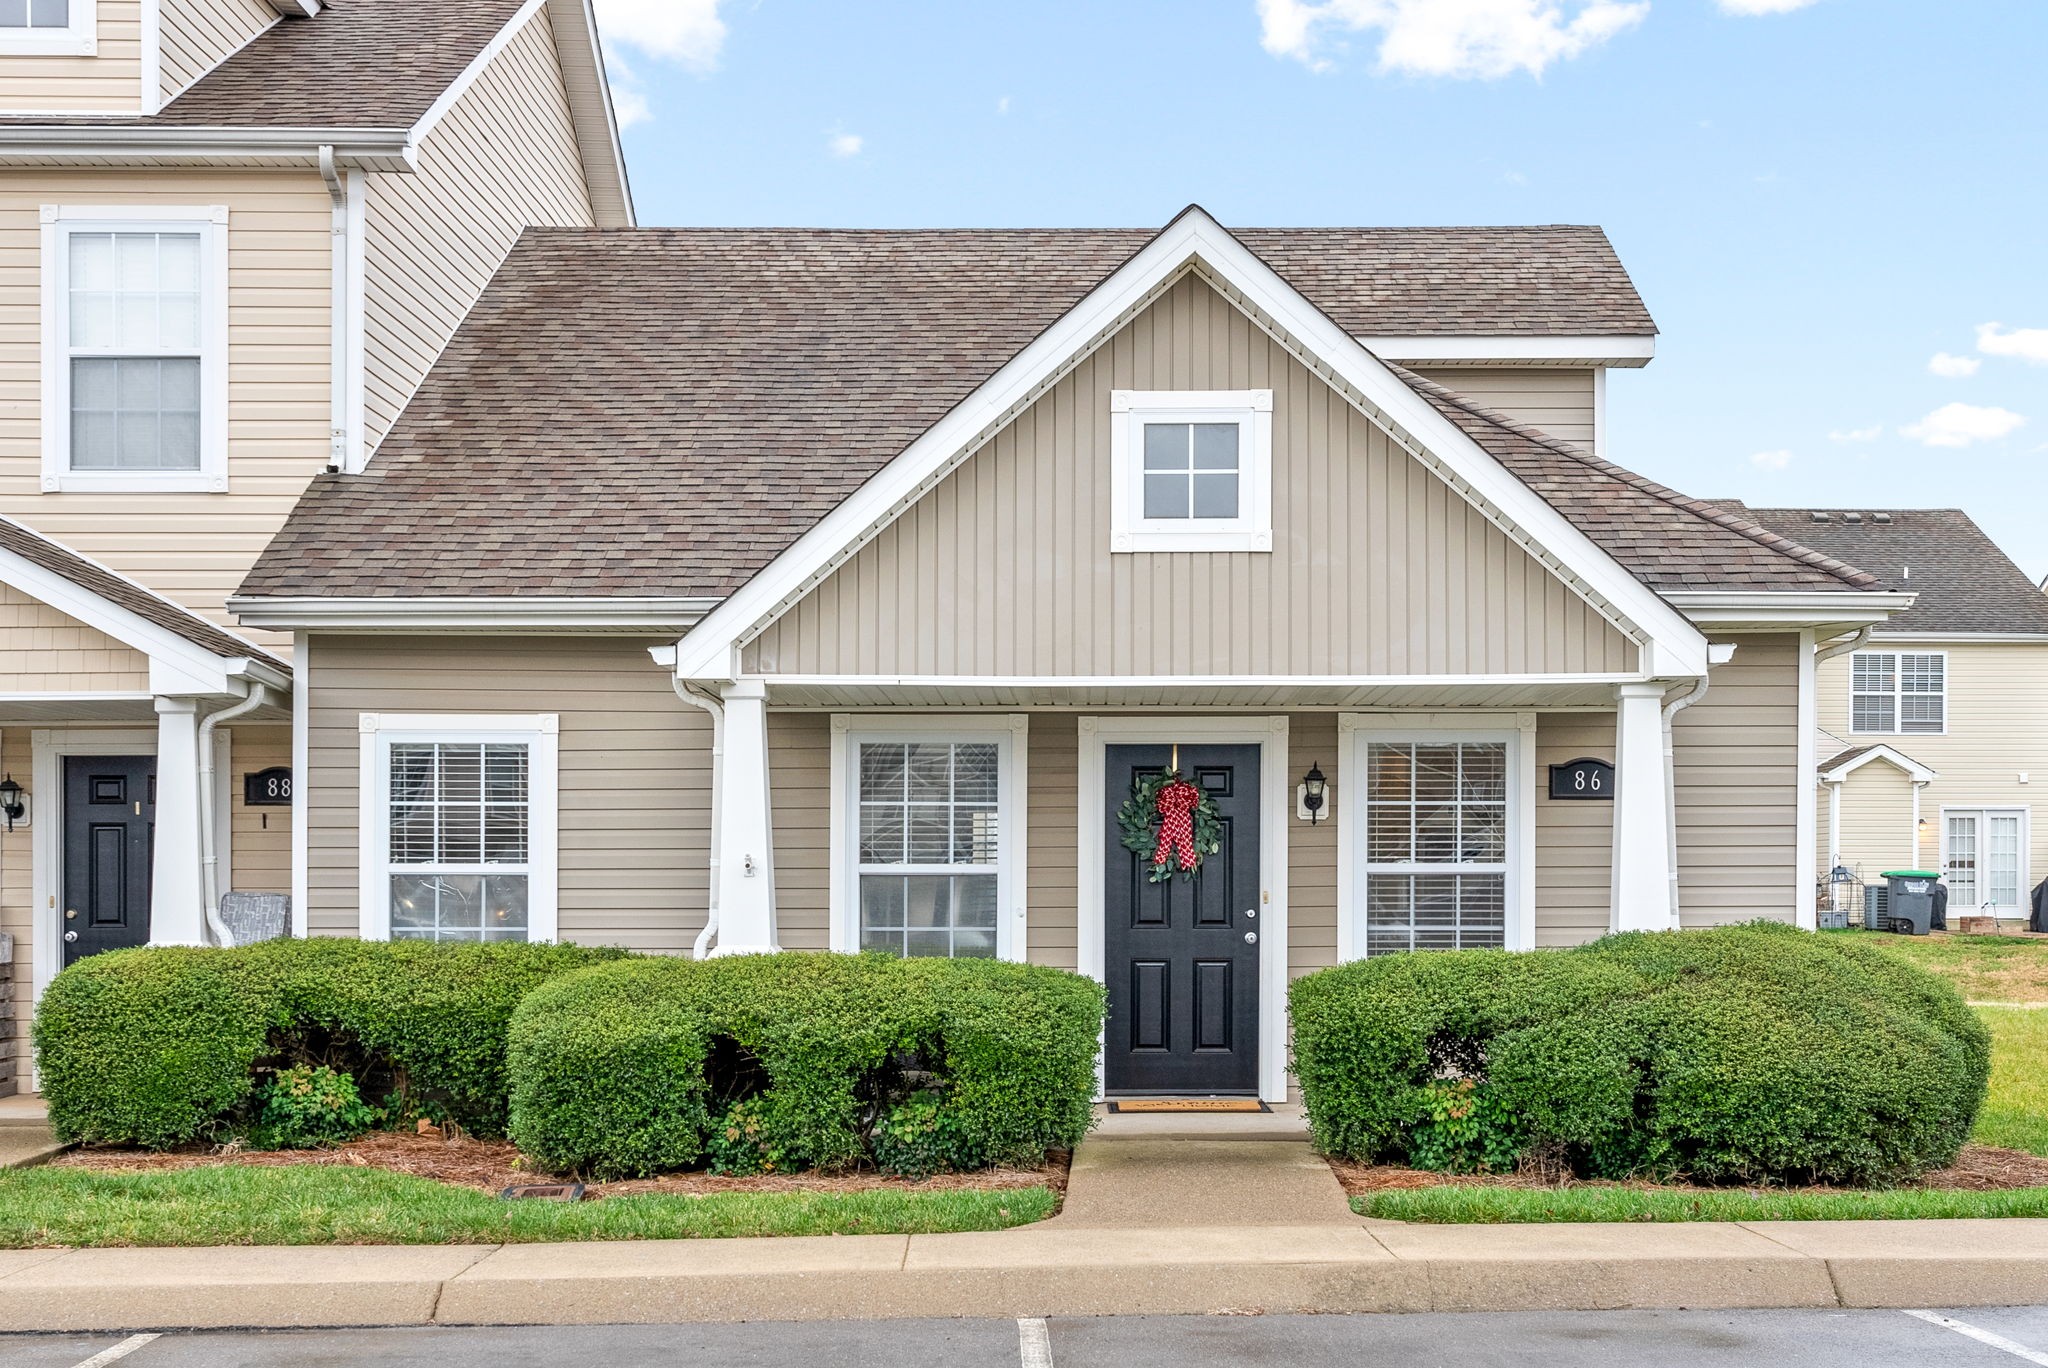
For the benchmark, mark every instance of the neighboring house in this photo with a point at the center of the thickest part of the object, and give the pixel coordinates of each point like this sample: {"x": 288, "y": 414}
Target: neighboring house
{"x": 817, "y": 589}
{"x": 236, "y": 234}
{"x": 1936, "y": 727}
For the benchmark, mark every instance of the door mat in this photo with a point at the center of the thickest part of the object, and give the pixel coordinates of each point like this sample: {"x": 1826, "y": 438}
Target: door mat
{"x": 1188, "y": 1104}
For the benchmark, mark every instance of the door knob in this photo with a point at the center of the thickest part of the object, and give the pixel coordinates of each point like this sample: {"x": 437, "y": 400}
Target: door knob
{"x": 1251, "y": 938}
{"x": 71, "y": 938}
{"x": 1251, "y": 914}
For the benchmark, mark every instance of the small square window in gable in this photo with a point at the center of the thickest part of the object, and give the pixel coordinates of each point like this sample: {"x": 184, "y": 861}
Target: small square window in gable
{"x": 1191, "y": 470}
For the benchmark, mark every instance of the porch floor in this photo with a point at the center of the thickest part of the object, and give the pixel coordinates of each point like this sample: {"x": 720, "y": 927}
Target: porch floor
{"x": 1212, "y": 1174}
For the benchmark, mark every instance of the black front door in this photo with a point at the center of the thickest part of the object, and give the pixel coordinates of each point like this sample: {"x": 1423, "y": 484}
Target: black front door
{"x": 1181, "y": 957}
{"x": 109, "y": 834}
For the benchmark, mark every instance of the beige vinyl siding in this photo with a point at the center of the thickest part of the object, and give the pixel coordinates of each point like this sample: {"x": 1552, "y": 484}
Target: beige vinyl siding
{"x": 1053, "y": 834}
{"x": 1738, "y": 789}
{"x": 261, "y": 836}
{"x": 1312, "y": 893}
{"x": 110, "y": 81}
{"x": 1004, "y": 568}
{"x": 505, "y": 157}
{"x": 800, "y": 794}
{"x": 197, "y": 35}
{"x": 194, "y": 548}
{"x": 1574, "y": 840}
{"x": 17, "y": 917}
{"x": 635, "y": 787}
{"x": 1997, "y": 731}
{"x": 46, "y": 651}
{"x": 1877, "y": 822}
{"x": 1557, "y": 399}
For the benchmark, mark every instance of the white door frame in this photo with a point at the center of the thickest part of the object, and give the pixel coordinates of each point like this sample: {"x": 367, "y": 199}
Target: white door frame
{"x": 1983, "y": 810}
{"x": 1269, "y": 734}
{"x": 47, "y": 752}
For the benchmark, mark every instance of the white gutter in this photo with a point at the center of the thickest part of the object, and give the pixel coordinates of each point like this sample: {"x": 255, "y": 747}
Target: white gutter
{"x": 454, "y": 614}
{"x": 386, "y": 149}
{"x": 1718, "y": 653}
{"x": 209, "y": 838}
{"x": 665, "y": 656}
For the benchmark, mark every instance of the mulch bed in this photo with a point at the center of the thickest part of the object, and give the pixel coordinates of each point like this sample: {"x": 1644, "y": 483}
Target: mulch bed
{"x": 494, "y": 1165}
{"x": 1980, "y": 1168}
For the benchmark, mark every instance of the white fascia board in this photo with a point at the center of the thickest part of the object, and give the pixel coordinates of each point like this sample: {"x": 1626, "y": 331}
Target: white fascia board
{"x": 1960, "y": 638}
{"x": 296, "y": 9}
{"x": 1674, "y": 648}
{"x": 471, "y": 614}
{"x": 1200, "y": 682}
{"x": 1715, "y": 608}
{"x": 141, "y": 144}
{"x": 472, "y": 73}
{"x": 1625, "y": 351}
{"x": 578, "y": 40}
{"x": 1919, "y": 772}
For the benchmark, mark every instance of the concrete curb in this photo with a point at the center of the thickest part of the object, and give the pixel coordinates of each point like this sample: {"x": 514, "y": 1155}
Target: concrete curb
{"x": 1036, "y": 1271}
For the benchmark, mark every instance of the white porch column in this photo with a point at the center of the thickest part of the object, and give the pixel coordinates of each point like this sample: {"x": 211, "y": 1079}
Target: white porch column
{"x": 746, "y": 872}
{"x": 177, "y": 907}
{"x": 1642, "y": 815}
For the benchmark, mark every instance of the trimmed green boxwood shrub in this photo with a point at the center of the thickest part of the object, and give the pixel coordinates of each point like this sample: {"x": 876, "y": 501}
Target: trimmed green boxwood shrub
{"x": 1745, "y": 1054}
{"x": 158, "y": 1047}
{"x": 772, "y": 1063}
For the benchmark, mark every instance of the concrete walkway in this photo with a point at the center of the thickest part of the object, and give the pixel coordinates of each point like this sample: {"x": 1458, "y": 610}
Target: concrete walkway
{"x": 25, "y": 1135}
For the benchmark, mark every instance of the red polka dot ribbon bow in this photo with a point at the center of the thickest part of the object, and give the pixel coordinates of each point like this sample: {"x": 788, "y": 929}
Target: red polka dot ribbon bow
{"x": 1176, "y": 806}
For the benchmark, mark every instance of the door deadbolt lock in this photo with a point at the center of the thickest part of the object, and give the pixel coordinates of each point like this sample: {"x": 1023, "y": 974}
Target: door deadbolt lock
{"x": 1251, "y": 914}
{"x": 70, "y": 914}
{"x": 71, "y": 938}
{"x": 1251, "y": 938}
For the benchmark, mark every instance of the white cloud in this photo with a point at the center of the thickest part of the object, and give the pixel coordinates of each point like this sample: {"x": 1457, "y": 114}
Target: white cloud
{"x": 1953, "y": 367}
{"x": 687, "y": 32}
{"x": 845, "y": 144}
{"x": 630, "y": 106}
{"x": 1866, "y": 434}
{"x": 1771, "y": 460}
{"x": 1960, "y": 425}
{"x": 1482, "y": 39}
{"x": 2028, "y": 344}
{"x": 1003, "y": 105}
{"x": 1763, "y": 6}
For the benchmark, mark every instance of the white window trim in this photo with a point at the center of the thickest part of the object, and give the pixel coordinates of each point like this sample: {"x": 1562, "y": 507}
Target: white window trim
{"x": 539, "y": 732}
{"x": 1899, "y": 694}
{"x": 60, "y": 222}
{"x": 1356, "y": 731}
{"x": 79, "y": 39}
{"x": 1982, "y": 811}
{"x": 1011, "y": 733}
{"x": 1251, "y": 410}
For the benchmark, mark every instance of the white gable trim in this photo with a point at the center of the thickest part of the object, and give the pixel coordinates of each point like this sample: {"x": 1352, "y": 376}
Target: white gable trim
{"x": 1919, "y": 773}
{"x": 1674, "y": 648}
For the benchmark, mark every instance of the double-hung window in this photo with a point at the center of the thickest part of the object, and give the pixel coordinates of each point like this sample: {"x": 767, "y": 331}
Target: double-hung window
{"x": 134, "y": 349}
{"x": 459, "y": 827}
{"x": 1191, "y": 470}
{"x": 1898, "y": 692}
{"x": 53, "y": 28}
{"x": 929, "y": 834}
{"x": 1439, "y": 835}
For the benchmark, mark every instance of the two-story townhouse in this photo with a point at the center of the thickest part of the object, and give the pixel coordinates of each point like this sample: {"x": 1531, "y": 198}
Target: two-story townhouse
{"x": 735, "y": 590}
{"x": 1934, "y": 726}
{"x": 234, "y": 235}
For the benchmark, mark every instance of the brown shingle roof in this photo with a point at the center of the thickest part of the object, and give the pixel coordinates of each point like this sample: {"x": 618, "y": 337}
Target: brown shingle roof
{"x": 661, "y": 412}
{"x": 355, "y": 64}
{"x": 97, "y": 579}
{"x": 1964, "y": 582}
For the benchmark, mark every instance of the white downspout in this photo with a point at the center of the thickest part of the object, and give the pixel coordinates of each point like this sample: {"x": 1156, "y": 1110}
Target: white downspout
{"x": 1717, "y": 654}
{"x": 209, "y": 838}
{"x": 716, "y": 709}
{"x": 339, "y": 286}
{"x": 1830, "y": 652}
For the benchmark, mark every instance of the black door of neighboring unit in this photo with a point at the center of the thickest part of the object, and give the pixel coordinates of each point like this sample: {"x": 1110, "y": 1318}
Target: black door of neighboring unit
{"x": 1181, "y": 957}
{"x": 109, "y": 835}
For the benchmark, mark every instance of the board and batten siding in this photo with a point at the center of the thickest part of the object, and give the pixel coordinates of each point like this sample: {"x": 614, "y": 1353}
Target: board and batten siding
{"x": 1997, "y": 732}
{"x": 433, "y": 239}
{"x": 635, "y": 785}
{"x": 1574, "y": 839}
{"x": 198, "y": 35}
{"x": 108, "y": 82}
{"x": 194, "y": 547}
{"x": 1004, "y": 568}
{"x": 1557, "y": 399}
{"x": 1737, "y": 773}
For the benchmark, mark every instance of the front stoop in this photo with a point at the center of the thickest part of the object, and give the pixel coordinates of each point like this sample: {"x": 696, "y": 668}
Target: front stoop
{"x": 1040, "y": 1270}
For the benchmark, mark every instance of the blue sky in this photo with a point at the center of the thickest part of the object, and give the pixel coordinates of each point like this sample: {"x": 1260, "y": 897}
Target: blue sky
{"x": 1836, "y": 209}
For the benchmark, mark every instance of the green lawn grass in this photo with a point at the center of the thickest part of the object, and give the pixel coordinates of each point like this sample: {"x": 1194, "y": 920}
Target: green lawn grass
{"x": 2015, "y": 1114}
{"x": 1983, "y": 968}
{"x": 1501, "y": 1205}
{"x": 323, "y": 1204}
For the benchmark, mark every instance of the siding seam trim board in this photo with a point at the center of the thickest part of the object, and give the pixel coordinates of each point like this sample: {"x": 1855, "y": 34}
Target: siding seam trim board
{"x": 1000, "y": 422}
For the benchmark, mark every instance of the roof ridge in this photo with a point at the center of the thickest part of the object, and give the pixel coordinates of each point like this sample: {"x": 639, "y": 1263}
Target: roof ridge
{"x": 1699, "y": 508}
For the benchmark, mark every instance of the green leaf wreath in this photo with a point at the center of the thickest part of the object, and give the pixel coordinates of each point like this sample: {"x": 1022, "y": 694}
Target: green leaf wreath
{"x": 1138, "y": 820}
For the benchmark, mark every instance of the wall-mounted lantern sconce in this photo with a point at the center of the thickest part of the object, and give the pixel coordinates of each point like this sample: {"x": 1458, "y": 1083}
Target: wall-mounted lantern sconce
{"x": 1314, "y": 794}
{"x": 13, "y": 801}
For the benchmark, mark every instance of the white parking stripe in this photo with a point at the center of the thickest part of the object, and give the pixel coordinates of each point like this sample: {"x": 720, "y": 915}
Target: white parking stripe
{"x": 1982, "y": 1336}
{"x": 119, "y": 1351}
{"x": 1034, "y": 1344}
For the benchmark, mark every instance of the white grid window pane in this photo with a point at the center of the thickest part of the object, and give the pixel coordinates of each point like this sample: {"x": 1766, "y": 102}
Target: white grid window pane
{"x": 1436, "y": 837}
{"x": 1898, "y": 692}
{"x": 35, "y": 14}
{"x": 135, "y": 341}
{"x": 459, "y": 835}
{"x": 1191, "y": 471}
{"x": 928, "y": 832}
{"x": 1961, "y": 874}
{"x": 1435, "y": 912}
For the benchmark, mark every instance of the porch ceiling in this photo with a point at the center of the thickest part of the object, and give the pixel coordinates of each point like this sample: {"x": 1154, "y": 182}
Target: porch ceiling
{"x": 1338, "y": 693}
